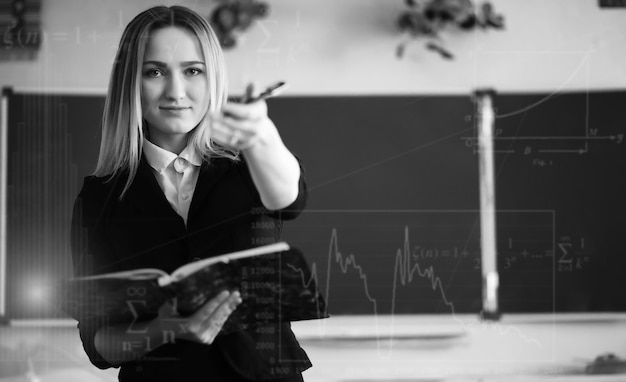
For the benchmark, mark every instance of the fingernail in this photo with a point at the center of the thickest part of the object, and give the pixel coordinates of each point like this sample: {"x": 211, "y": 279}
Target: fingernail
{"x": 224, "y": 293}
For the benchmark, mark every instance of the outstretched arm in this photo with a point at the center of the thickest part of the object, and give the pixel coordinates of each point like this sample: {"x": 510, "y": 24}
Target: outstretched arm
{"x": 274, "y": 169}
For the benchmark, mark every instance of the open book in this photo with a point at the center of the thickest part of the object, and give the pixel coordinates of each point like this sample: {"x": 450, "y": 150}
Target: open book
{"x": 275, "y": 283}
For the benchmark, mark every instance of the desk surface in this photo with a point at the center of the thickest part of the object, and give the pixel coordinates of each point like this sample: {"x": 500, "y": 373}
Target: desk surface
{"x": 383, "y": 348}
{"x": 462, "y": 347}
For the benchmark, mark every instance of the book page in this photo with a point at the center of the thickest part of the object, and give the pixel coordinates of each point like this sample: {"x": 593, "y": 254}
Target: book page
{"x": 190, "y": 268}
{"x": 135, "y": 274}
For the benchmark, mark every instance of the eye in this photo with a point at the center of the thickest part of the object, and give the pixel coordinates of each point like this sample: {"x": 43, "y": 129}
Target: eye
{"x": 154, "y": 72}
{"x": 193, "y": 71}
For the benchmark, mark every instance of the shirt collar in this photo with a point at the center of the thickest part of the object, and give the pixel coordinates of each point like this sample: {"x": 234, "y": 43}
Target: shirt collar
{"x": 190, "y": 154}
{"x": 159, "y": 158}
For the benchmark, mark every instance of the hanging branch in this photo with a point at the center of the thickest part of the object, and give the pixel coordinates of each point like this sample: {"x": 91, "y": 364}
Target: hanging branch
{"x": 427, "y": 19}
{"x": 235, "y": 16}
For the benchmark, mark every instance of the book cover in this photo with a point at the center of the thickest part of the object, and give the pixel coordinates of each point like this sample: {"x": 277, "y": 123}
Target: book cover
{"x": 275, "y": 283}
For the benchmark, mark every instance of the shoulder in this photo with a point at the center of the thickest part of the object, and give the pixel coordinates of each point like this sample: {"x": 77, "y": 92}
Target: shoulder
{"x": 97, "y": 184}
{"x": 98, "y": 190}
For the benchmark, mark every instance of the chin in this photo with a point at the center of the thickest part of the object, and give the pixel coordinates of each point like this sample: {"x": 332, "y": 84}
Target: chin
{"x": 178, "y": 128}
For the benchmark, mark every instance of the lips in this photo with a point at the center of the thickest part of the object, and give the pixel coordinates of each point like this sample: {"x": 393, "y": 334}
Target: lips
{"x": 174, "y": 108}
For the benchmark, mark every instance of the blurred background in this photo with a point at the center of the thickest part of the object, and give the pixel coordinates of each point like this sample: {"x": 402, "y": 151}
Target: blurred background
{"x": 381, "y": 109}
{"x": 349, "y": 47}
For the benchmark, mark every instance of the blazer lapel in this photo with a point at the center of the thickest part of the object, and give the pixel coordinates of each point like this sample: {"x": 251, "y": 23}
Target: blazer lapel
{"x": 210, "y": 175}
{"x": 146, "y": 195}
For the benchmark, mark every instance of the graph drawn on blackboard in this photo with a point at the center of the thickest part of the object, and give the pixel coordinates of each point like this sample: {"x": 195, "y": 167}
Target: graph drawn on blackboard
{"x": 369, "y": 260}
{"x": 421, "y": 261}
{"x": 547, "y": 127}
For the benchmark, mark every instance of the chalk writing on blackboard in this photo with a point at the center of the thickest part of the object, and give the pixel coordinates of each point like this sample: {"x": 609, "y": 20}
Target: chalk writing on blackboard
{"x": 407, "y": 268}
{"x": 548, "y": 128}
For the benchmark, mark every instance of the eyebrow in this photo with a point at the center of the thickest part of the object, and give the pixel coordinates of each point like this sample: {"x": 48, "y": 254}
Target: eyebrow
{"x": 163, "y": 64}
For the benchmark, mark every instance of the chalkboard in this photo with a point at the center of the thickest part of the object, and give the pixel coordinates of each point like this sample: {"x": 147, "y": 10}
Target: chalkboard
{"x": 392, "y": 224}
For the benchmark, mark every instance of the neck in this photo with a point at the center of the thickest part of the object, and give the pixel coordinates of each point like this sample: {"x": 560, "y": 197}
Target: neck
{"x": 174, "y": 143}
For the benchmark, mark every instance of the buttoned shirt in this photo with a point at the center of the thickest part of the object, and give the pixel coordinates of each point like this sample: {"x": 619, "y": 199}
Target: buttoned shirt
{"x": 177, "y": 175}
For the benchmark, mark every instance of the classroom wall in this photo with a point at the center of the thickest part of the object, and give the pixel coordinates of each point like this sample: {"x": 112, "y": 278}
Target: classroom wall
{"x": 328, "y": 47}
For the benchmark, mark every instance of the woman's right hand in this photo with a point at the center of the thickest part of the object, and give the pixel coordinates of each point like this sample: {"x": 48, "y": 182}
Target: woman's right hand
{"x": 204, "y": 325}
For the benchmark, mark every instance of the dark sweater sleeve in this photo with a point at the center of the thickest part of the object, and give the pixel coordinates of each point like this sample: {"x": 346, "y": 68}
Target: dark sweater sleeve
{"x": 287, "y": 213}
{"x": 90, "y": 255}
{"x": 294, "y": 209}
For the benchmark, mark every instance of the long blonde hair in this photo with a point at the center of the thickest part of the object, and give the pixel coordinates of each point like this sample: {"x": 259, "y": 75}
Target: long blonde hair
{"x": 122, "y": 123}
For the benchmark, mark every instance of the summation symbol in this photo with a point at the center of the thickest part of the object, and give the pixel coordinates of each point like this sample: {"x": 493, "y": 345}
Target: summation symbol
{"x": 572, "y": 256}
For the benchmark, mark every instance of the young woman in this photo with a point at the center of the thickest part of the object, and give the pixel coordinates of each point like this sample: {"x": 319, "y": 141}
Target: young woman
{"x": 183, "y": 174}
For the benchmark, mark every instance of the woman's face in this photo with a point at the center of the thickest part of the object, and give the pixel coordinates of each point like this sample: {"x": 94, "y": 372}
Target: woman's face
{"x": 174, "y": 90}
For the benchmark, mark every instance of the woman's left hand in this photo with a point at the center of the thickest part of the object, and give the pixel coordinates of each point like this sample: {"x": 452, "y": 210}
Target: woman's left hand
{"x": 275, "y": 171}
{"x": 242, "y": 126}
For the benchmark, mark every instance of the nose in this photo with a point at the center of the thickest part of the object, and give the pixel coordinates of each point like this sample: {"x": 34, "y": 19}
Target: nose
{"x": 175, "y": 89}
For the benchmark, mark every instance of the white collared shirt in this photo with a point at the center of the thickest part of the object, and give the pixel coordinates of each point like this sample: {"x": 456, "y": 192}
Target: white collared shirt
{"x": 176, "y": 174}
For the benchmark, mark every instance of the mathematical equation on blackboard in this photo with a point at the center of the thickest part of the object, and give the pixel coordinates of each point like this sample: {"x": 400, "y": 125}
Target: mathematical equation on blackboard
{"x": 572, "y": 255}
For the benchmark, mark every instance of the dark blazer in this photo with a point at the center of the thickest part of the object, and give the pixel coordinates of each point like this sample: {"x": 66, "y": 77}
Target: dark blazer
{"x": 143, "y": 231}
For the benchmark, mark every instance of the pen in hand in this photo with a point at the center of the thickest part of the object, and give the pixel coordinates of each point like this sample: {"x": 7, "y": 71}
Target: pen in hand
{"x": 270, "y": 91}
{"x": 235, "y": 134}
